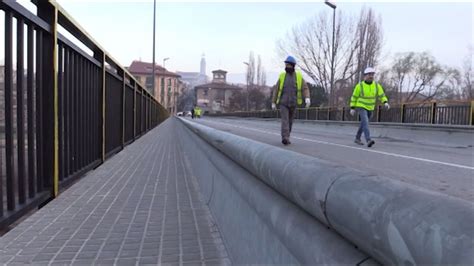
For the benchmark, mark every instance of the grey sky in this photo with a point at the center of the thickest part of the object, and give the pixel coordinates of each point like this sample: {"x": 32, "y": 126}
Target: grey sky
{"x": 226, "y": 32}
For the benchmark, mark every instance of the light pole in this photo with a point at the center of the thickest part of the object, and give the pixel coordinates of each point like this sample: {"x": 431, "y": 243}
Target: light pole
{"x": 153, "y": 67}
{"x": 247, "y": 78}
{"x": 333, "y": 6}
{"x": 164, "y": 60}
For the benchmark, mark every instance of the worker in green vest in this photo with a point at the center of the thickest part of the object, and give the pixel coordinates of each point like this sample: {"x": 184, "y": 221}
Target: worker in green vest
{"x": 363, "y": 101}
{"x": 288, "y": 93}
{"x": 197, "y": 112}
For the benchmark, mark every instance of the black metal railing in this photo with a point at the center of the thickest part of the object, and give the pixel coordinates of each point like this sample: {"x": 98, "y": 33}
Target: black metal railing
{"x": 446, "y": 113}
{"x": 63, "y": 110}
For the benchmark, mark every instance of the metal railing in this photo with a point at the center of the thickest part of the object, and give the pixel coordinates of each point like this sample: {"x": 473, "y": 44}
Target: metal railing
{"x": 440, "y": 113}
{"x": 66, "y": 113}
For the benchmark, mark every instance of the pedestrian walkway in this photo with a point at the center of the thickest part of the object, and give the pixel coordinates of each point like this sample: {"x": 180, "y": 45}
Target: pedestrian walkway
{"x": 142, "y": 206}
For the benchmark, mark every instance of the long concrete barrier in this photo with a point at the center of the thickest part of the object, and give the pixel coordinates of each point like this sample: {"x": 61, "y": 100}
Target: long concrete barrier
{"x": 394, "y": 222}
{"x": 258, "y": 224}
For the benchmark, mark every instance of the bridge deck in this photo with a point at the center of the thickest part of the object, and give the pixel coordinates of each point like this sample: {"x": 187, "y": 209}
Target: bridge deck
{"x": 142, "y": 206}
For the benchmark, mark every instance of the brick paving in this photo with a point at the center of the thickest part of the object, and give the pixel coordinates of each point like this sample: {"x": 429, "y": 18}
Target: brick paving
{"x": 142, "y": 206}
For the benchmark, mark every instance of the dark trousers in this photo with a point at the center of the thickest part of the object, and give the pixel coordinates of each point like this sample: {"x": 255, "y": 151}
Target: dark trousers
{"x": 287, "y": 115}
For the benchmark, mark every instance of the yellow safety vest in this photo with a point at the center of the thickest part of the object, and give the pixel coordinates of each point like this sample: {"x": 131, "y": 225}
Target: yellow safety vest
{"x": 365, "y": 95}
{"x": 299, "y": 84}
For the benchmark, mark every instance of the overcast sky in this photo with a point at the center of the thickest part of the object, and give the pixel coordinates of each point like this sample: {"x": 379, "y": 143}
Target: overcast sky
{"x": 226, "y": 32}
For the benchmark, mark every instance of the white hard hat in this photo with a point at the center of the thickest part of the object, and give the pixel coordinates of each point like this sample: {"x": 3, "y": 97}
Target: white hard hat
{"x": 369, "y": 70}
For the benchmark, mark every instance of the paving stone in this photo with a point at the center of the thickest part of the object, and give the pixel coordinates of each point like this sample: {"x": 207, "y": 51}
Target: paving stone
{"x": 133, "y": 209}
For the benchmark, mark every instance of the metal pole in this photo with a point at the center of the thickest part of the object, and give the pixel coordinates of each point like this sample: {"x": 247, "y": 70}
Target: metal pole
{"x": 248, "y": 73}
{"x": 332, "y": 53}
{"x": 331, "y": 94}
{"x": 247, "y": 95}
{"x": 153, "y": 71}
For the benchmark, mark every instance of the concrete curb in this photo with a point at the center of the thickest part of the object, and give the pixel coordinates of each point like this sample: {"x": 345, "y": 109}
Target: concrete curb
{"x": 392, "y": 221}
{"x": 258, "y": 224}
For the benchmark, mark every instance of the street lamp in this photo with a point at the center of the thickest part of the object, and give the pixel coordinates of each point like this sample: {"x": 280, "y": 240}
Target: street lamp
{"x": 164, "y": 60}
{"x": 248, "y": 73}
{"x": 333, "y": 6}
{"x": 153, "y": 67}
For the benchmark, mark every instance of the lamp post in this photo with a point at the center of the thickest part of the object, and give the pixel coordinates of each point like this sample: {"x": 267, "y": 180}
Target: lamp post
{"x": 164, "y": 60}
{"x": 153, "y": 67}
{"x": 333, "y": 6}
{"x": 247, "y": 79}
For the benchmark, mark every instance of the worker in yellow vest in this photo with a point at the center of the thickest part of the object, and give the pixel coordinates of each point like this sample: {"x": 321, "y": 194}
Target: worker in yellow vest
{"x": 363, "y": 101}
{"x": 197, "y": 112}
{"x": 288, "y": 93}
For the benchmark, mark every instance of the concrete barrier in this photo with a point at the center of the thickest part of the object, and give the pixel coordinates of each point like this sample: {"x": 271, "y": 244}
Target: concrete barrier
{"x": 394, "y": 222}
{"x": 258, "y": 224}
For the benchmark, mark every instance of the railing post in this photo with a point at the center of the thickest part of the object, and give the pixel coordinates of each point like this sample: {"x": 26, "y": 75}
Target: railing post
{"x": 379, "y": 112}
{"x": 20, "y": 106}
{"x": 134, "y": 110}
{"x": 8, "y": 95}
{"x": 343, "y": 113}
{"x": 142, "y": 108}
{"x": 50, "y": 157}
{"x": 123, "y": 108}
{"x": 103, "y": 103}
{"x": 402, "y": 113}
{"x": 433, "y": 113}
{"x": 471, "y": 115}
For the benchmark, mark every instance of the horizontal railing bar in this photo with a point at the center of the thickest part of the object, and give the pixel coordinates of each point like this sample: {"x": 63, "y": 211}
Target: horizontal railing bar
{"x": 66, "y": 42}
{"x": 19, "y": 10}
{"x": 114, "y": 75}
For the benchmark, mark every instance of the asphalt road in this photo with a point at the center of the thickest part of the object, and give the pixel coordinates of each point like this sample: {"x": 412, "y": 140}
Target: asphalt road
{"x": 448, "y": 170}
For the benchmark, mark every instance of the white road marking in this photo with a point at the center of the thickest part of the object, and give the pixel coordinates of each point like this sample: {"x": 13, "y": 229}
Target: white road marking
{"x": 355, "y": 148}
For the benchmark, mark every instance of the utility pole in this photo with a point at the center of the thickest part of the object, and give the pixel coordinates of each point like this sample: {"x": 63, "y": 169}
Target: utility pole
{"x": 154, "y": 70}
{"x": 248, "y": 76}
{"x": 333, "y": 6}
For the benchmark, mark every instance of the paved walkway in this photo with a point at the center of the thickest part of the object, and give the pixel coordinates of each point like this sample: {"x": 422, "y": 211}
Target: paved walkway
{"x": 142, "y": 206}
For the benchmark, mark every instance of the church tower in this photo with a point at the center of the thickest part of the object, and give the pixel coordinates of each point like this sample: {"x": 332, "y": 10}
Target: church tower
{"x": 203, "y": 66}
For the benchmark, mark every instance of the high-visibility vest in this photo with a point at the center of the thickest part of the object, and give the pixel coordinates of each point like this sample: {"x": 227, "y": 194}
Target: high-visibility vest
{"x": 365, "y": 95}
{"x": 299, "y": 85}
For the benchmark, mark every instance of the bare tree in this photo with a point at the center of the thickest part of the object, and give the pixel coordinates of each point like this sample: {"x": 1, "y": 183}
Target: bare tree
{"x": 451, "y": 89}
{"x": 357, "y": 43}
{"x": 259, "y": 69}
{"x": 257, "y": 99}
{"x": 468, "y": 76}
{"x": 370, "y": 37}
{"x": 261, "y": 77}
{"x": 400, "y": 70}
{"x": 238, "y": 101}
{"x": 251, "y": 69}
{"x": 419, "y": 77}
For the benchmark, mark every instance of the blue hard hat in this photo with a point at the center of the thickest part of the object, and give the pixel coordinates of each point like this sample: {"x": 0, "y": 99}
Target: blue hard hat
{"x": 290, "y": 59}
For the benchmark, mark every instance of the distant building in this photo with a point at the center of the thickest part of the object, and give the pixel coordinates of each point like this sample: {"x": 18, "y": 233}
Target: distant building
{"x": 167, "y": 86}
{"x": 193, "y": 79}
{"x": 214, "y": 97}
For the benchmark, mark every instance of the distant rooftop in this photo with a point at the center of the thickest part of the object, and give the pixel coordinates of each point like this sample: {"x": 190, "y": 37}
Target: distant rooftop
{"x": 139, "y": 67}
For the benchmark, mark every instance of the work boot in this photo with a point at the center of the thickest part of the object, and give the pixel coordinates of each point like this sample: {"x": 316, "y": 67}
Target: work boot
{"x": 358, "y": 141}
{"x": 285, "y": 142}
{"x": 370, "y": 143}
